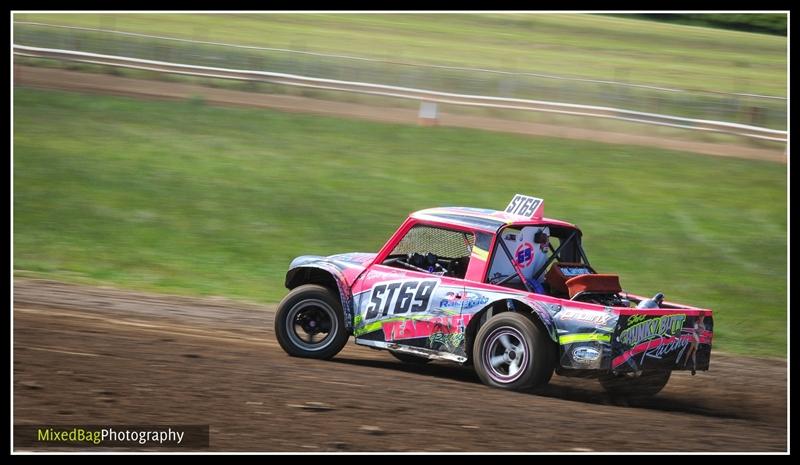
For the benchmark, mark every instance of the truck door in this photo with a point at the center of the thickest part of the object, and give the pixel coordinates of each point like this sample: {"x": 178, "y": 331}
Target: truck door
{"x": 400, "y": 302}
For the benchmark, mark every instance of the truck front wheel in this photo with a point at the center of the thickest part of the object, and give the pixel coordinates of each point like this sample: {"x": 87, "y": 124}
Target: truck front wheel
{"x": 310, "y": 323}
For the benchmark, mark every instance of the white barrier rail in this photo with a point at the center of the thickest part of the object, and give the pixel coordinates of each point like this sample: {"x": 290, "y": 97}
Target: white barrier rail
{"x": 417, "y": 65}
{"x": 408, "y": 93}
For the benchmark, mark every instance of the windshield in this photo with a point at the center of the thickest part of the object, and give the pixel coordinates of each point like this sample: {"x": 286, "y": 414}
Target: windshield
{"x": 434, "y": 250}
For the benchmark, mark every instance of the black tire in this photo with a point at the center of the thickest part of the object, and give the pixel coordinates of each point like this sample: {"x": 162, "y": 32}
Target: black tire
{"x": 306, "y": 313}
{"x": 507, "y": 333}
{"x": 408, "y": 358}
{"x": 648, "y": 384}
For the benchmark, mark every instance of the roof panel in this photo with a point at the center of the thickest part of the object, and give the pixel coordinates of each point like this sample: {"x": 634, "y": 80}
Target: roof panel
{"x": 481, "y": 218}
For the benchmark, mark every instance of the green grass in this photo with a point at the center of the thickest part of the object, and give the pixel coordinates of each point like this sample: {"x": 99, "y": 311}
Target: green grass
{"x": 594, "y": 46}
{"x": 185, "y": 198}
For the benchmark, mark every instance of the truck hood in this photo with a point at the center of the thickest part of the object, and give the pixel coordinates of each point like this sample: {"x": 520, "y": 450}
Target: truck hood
{"x": 341, "y": 261}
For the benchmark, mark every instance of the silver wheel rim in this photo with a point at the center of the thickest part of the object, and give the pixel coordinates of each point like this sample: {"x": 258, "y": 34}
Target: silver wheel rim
{"x": 505, "y": 355}
{"x": 311, "y": 324}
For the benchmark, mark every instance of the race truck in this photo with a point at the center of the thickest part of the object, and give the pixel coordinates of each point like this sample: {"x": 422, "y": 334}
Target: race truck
{"x": 509, "y": 292}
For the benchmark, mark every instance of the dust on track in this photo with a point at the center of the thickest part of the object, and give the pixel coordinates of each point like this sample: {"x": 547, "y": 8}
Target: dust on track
{"x": 98, "y": 355}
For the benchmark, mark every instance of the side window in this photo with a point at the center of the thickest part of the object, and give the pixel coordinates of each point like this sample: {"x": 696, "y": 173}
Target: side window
{"x": 434, "y": 250}
{"x": 501, "y": 266}
{"x": 527, "y": 252}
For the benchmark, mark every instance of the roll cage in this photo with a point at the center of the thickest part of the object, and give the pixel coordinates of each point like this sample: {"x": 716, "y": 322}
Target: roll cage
{"x": 569, "y": 250}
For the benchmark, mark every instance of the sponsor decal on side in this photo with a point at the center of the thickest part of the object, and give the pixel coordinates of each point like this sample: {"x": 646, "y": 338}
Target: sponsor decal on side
{"x": 588, "y": 316}
{"x": 666, "y": 325}
{"x": 462, "y": 300}
{"x": 585, "y": 354}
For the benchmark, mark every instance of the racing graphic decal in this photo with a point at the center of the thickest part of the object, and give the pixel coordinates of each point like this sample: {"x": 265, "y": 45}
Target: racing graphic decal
{"x": 400, "y": 297}
{"x": 524, "y": 254}
{"x": 411, "y": 329}
{"x": 663, "y": 342}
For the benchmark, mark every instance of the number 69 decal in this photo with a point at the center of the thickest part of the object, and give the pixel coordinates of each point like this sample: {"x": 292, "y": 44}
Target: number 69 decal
{"x": 400, "y": 297}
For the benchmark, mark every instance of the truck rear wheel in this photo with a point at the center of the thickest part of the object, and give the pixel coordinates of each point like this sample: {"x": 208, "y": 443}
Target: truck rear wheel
{"x": 511, "y": 352}
{"x": 310, "y": 323}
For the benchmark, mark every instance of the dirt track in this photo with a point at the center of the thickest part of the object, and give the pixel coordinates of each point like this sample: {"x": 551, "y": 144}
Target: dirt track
{"x": 99, "y": 355}
{"x": 113, "y": 85}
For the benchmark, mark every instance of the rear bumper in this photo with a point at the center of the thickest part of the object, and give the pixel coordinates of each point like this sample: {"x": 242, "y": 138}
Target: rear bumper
{"x": 666, "y": 340}
{"x": 646, "y": 341}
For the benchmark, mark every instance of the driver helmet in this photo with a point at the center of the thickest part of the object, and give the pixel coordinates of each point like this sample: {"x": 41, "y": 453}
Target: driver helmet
{"x": 542, "y": 239}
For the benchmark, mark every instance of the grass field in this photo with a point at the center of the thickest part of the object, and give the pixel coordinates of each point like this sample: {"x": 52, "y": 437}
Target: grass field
{"x": 593, "y": 46}
{"x": 185, "y": 198}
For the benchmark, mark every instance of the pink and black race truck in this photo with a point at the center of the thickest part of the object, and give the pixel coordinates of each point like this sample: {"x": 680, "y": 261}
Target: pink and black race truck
{"x": 509, "y": 292}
